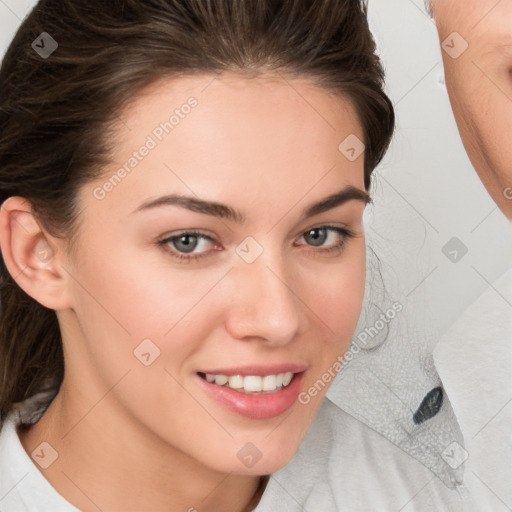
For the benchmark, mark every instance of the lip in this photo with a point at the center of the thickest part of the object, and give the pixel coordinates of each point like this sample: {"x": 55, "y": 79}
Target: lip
{"x": 259, "y": 405}
{"x": 260, "y": 370}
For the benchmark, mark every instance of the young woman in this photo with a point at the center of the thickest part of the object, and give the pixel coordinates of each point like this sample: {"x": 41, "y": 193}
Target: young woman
{"x": 183, "y": 184}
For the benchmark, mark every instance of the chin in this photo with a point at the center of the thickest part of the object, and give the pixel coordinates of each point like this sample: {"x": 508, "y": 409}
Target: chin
{"x": 254, "y": 458}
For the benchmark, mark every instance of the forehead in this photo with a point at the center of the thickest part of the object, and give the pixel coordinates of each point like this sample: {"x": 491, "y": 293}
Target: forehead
{"x": 229, "y": 136}
{"x": 238, "y": 120}
{"x": 229, "y": 92}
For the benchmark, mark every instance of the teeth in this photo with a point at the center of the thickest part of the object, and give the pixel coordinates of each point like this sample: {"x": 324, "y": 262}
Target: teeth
{"x": 287, "y": 377}
{"x": 268, "y": 383}
{"x": 220, "y": 380}
{"x": 236, "y": 382}
{"x": 252, "y": 383}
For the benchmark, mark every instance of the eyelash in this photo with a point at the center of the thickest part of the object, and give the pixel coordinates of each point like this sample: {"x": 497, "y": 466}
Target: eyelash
{"x": 345, "y": 233}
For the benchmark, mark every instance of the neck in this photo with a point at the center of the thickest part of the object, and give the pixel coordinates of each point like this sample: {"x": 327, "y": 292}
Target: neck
{"x": 110, "y": 462}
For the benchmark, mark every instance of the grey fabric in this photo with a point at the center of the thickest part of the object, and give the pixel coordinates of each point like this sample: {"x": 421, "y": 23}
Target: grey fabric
{"x": 387, "y": 378}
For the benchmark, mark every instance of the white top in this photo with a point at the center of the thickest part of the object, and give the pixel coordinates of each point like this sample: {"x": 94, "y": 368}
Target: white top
{"x": 341, "y": 465}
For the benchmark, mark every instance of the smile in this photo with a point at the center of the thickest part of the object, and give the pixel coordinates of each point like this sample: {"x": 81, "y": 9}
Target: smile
{"x": 251, "y": 383}
{"x": 256, "y": 392}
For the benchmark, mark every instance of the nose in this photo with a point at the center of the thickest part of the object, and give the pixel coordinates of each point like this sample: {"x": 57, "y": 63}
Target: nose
{"x": 264, "y": 306}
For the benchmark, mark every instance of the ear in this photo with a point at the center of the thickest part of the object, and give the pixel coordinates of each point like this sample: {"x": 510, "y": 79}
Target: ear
{"x": 31, "y": 255}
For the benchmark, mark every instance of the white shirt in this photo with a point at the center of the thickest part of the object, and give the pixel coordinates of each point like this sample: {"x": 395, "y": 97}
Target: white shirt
{"x": 342, "y": 465}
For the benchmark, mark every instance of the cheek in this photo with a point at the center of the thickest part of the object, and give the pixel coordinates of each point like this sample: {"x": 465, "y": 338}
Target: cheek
{"x": 335, "y": 294}
{"x": 342, "y": 288}
{"x": 139, "y": 291}
{"x": 336, "y": 297}
{"x": 122, "y": 301}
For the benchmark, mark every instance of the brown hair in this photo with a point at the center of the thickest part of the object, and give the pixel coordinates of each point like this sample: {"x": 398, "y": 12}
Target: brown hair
{"x": 56, "y": 110}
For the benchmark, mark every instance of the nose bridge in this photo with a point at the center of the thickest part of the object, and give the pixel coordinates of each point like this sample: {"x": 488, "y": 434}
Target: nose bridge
{"x": 265, "y": 307}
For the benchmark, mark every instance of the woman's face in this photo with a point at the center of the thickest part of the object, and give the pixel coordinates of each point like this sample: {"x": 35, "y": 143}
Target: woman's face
{"x": 264, "y": 292}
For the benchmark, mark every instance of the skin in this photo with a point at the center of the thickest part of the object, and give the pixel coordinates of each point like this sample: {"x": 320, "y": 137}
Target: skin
{"x": 135, "y": 437}
{"x": 479, "y": 84}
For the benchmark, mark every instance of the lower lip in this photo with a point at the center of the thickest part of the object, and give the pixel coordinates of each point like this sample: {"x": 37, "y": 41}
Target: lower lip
{"x": 256, "y": 406}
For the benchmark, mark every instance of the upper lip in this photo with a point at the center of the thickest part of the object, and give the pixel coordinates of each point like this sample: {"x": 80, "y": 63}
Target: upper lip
{"x": 261, "y": 370}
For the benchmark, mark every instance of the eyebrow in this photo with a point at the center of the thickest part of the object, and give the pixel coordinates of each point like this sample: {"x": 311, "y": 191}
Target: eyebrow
{"x": 223, "y": 211}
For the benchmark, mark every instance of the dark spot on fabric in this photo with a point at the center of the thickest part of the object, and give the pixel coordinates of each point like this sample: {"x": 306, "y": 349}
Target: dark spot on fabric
{"x": 429, "y": 406}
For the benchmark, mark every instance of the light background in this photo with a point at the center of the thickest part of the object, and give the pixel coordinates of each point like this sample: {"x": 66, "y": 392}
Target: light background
{"x": 426, "y": 191}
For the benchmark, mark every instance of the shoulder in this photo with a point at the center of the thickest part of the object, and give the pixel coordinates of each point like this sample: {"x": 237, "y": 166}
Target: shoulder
{"x": 342, "y": 464}
{"x": 22, "y": 485}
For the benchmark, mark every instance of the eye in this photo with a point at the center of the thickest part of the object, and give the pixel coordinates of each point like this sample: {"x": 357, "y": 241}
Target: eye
{"x": 318, "y": 237}
{"x": 183, "y": 246}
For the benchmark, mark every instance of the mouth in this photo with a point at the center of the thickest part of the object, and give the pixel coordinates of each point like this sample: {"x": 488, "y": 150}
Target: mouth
{"x": 254, "y": 392}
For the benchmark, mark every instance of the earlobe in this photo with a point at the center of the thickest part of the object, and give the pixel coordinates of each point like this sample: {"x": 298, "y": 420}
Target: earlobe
{"x": 30, "y": 254}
